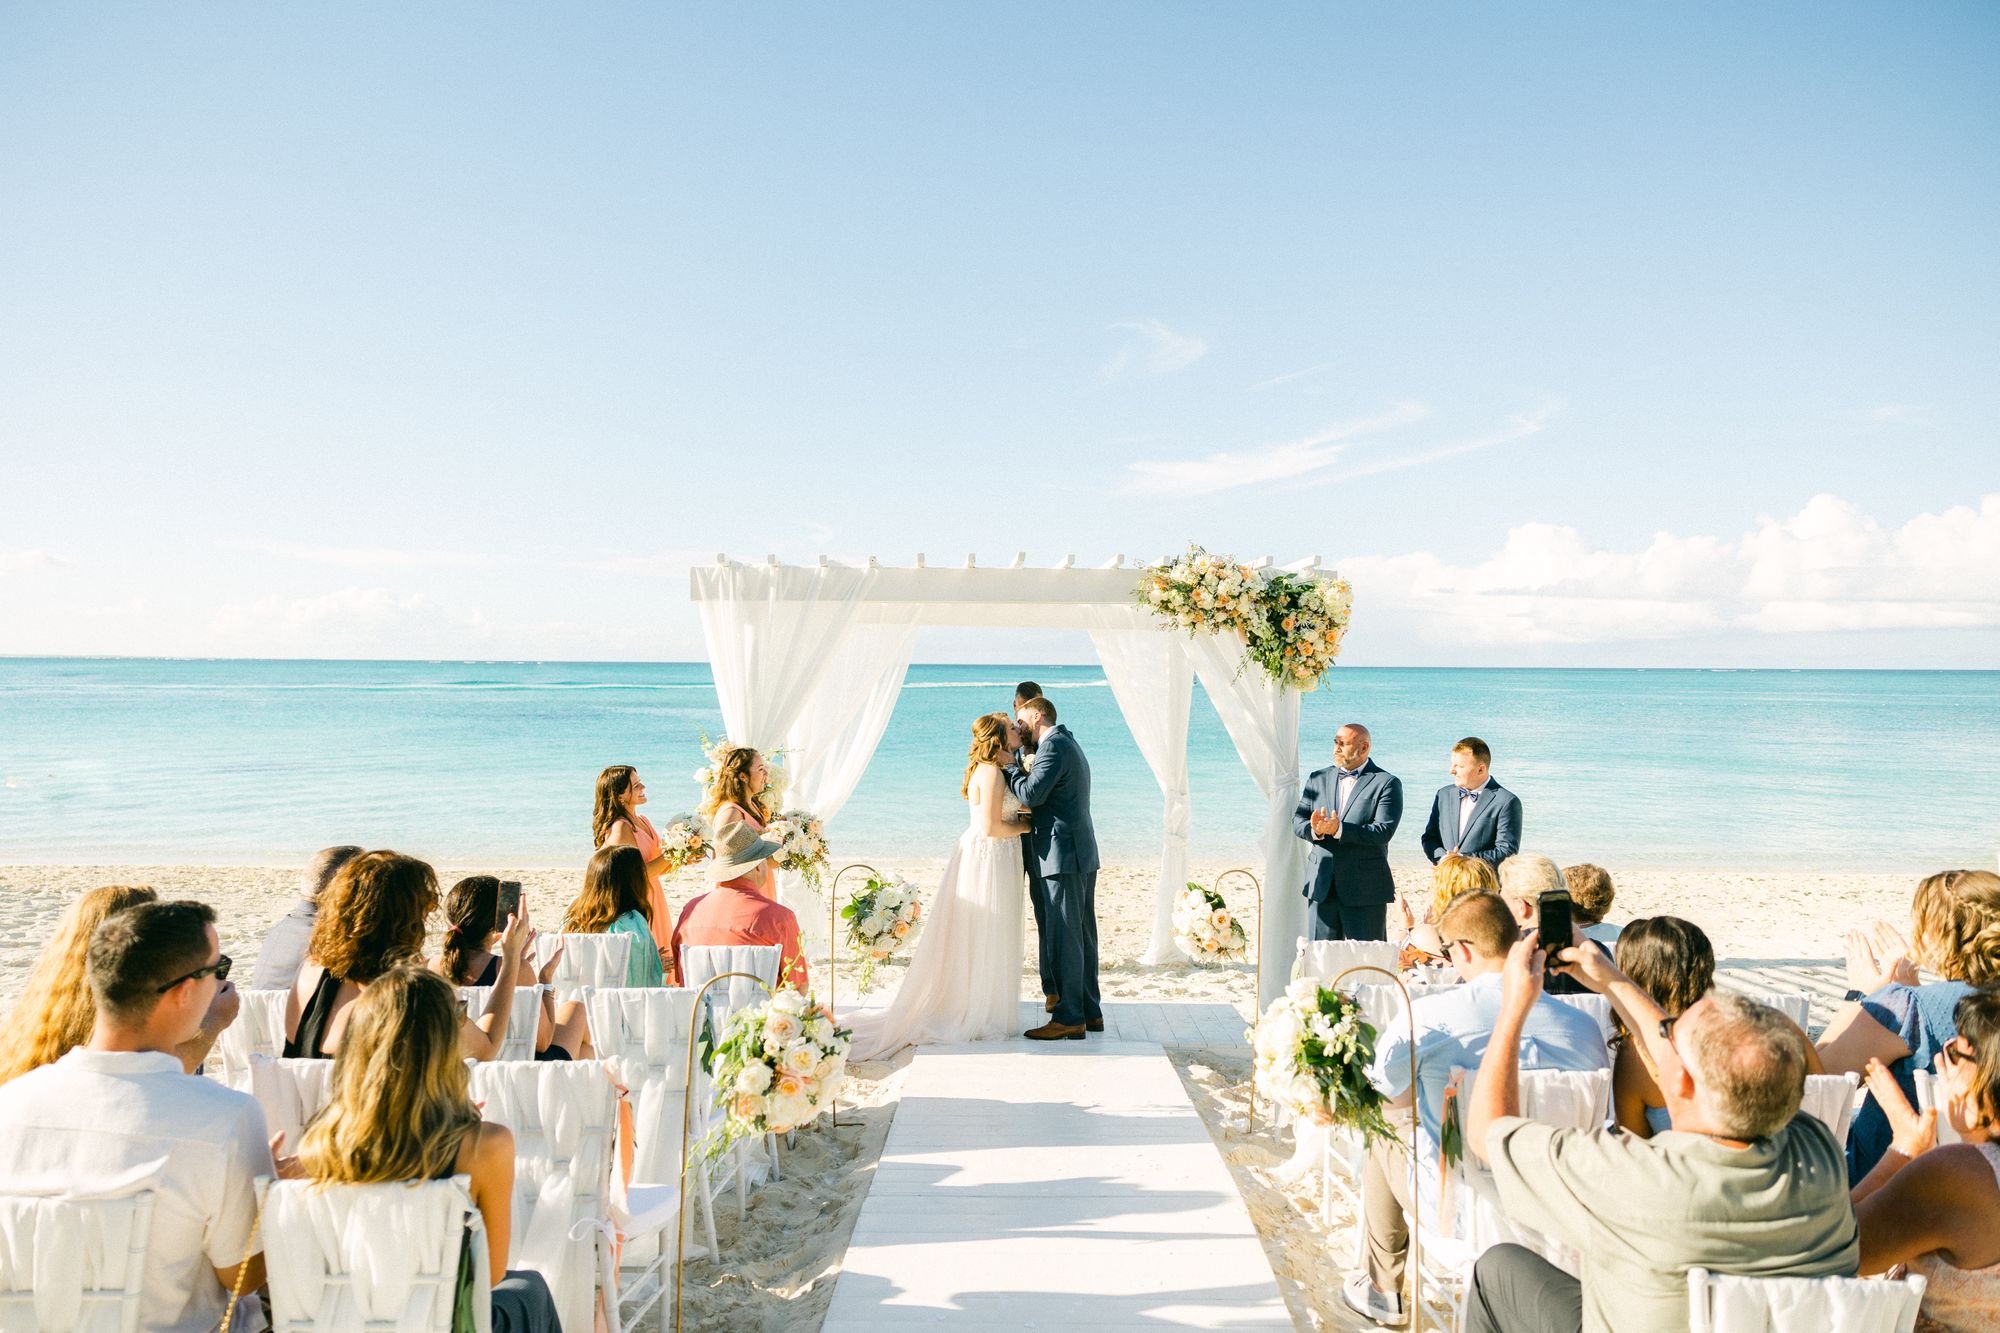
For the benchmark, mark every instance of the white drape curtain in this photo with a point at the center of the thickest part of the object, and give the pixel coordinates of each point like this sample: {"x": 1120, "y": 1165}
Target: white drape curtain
{"x": 831, "y": 742}
{"x": 771, "y": 633}
{"x": 1262, "y": 718}
{"x": 1153, "y": 681}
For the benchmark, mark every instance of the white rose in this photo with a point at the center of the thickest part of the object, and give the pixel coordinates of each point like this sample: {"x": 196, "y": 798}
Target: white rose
{"x": 781, "y": 1027}
{"x": 799, "y": 1058}
{"x": 788, "y": 1001}
{"x": 754, "y": 1078}
{"x": 1304, "y": 990}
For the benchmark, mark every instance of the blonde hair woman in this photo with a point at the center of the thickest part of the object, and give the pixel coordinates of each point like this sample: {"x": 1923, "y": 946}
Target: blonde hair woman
{"x": 615, "y": 821}
{"x": 736, "y": 792}
{"x": 401, "y": 1110}
{"x": 1892, "y": 1018}
{"x": 1452, "y": 878}
{"x": 55, "y": 1012}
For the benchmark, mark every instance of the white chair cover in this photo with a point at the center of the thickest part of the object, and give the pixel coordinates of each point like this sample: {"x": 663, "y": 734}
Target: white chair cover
{"x": 1795, "y": 1005}
{"x": 1327, "y": 959}
{"x": 641, "y": 1034}
{"x": 588, "y": 960}
{"x": 1596, "y": 1006}
{"x": 1927, "y": 1100}
{"x": 1830, "y": 1099}
{"x": 1381, "y": 1005}
{"x": 73, "y": 1264}
{"x": 259, "y": 1029}
{"x": 291, "y": 1093}
{"x": 701, "y": 963}
{"x": 523, "y": 1018}
{"x": 1725, "y": 1303}
{"x": 564, "y": 1117}
{"x": 348, "y": 1258}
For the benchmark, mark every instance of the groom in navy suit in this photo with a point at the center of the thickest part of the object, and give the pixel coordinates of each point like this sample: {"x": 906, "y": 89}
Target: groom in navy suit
{"x": 1347, "y": 814}
{"x": 1475, "y": 816}
{"x": 1063, "y": 843}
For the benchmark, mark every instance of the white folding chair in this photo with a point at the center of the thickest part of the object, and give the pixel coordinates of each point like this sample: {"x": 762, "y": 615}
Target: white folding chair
{"x": 1343, "y": 1151}
{"x": 700, "y": 964}
{"x": 71, "y": 1263}
{"x": 357, "y": 1258}
{"x": 1795, "y": 1005}
{"x": 1928, "y": 1100}
{"x": 1729, "y": 1303}
{"x": 524, "y": 1016}
{"x": 642, "y": 1038}
{"x": 564, "y": 1115}
{"x": 1327, "y": 959}
{"x": 291, "y": 1092}
{"x": 259, "y": 1029}
{"x": 587, "y": 960}
{"x": 1830, "y": 1100}
{"x": 1597, "y": 1006}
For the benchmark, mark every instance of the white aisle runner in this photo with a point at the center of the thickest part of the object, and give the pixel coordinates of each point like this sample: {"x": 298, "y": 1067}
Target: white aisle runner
{"x": 1060, "y": 1185}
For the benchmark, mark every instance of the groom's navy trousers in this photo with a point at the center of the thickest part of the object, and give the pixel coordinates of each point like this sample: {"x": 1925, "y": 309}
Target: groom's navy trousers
{"x": 1073, "y": 905}
{"x": 1038, "y": 898}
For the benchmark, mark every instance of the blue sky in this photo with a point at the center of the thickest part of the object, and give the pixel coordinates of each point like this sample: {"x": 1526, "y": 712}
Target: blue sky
{"x": 1574, "y": 334}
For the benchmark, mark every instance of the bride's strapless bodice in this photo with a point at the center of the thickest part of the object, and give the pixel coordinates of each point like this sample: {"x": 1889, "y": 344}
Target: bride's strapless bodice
{"x": 1010, "y": 809}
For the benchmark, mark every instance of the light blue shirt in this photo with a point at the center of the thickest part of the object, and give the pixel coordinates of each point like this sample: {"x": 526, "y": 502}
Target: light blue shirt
{"x": 1452, "y": 1030}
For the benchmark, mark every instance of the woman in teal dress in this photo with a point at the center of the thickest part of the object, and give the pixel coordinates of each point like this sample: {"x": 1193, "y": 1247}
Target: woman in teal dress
{"x": 616, "y": 901}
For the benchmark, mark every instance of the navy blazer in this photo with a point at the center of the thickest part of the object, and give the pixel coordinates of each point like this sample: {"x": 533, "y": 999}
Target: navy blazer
{"x": 1057, "y": 789}
{"x": 1495, "y": 832}
{"x": 1353, "y": 868}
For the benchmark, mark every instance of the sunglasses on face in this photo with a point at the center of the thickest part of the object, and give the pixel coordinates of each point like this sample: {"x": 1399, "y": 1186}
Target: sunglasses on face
{"x": 219, "y": 968}
{"x": 1954, "y": 1054}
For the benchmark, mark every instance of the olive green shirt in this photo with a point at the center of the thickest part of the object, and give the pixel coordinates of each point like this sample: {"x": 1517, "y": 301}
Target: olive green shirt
{"x": 1644, "y": 1211}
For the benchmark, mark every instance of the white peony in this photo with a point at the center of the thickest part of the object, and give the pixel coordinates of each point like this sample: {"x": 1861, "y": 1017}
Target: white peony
{"x": 788, "y": 1001}
{"x": 754, "y": 1078}
{"x": 782, "y": 1028}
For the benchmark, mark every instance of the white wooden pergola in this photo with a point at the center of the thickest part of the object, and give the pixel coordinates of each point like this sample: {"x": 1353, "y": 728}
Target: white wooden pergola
{"x": 810, "y": 659}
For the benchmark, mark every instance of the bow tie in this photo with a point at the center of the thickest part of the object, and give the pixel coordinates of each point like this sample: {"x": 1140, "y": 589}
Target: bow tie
{"x": 1470, "y": 793}
{"x": 1348, "y": 772}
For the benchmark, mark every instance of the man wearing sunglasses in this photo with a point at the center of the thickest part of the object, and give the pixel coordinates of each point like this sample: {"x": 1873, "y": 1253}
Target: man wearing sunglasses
{"x": 121, "y": 1115}
{"x": 1743, "y": 1183}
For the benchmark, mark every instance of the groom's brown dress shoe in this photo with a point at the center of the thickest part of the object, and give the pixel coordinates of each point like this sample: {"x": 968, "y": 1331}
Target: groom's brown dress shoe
{"x": 1049, "y": 1003}
{"x": 1054, "y": 1031}
{"x": 1093, "y": 1025}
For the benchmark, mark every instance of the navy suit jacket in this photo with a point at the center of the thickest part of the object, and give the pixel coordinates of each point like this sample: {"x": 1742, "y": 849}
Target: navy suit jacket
{"x": 1495, "y": 832}
{"x": 1353, "y": 868}
{"x": 1057, "y": 789}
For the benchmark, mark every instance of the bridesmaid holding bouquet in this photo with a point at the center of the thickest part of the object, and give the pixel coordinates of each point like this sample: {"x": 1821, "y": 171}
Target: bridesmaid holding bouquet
{"x": 615, "y": 821}
{"x": 736, "y": 793}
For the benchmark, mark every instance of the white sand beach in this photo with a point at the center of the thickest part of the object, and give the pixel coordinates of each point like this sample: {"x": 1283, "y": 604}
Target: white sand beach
{"x": 781, "y": 1265}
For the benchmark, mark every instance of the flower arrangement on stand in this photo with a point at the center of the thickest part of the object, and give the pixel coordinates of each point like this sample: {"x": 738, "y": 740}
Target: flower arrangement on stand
{"x": 1313, "y": 1049}
{"x": 779, "y": 1064}
{"x": 802, "y": 842}
{"x": 687, "y": 840}
{"x": 882, "y": 917}
{"x": 1291, "y": 624}
{"x": 1204, "y": 927}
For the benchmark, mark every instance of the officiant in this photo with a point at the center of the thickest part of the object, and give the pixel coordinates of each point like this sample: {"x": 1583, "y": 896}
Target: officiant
{"x": 1346, "y": 816}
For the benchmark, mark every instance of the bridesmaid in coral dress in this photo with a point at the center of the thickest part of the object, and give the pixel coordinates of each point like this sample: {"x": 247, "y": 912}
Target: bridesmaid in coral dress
{"x": 741, "y": 776}
{"x": 615, "y": 821}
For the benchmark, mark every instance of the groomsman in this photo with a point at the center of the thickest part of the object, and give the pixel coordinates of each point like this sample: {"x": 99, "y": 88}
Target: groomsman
{"x": 1474, "y": 816}
{"x": 1347, "y": 814}
{"x": 1038, "y": 888}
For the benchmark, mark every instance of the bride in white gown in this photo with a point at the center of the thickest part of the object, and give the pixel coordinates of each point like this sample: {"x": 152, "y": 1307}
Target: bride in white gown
{"x": 964, "y": 981}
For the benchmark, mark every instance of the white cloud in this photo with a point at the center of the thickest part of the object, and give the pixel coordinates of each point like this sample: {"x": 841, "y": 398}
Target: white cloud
{"x": 1519, "y": 426}
{"x": 359, "y": 620}
{"x": 1292, "y": 375}
{"x": 367, "y": 557}
{"x": 38, "y": 557}
{"x": 1288, "y": 461}
{"x": 1896, "y": 414}
{"x": 1829, "y": 567}
{"x": 1151, "y": 348}
{"x": 660, "y": 565}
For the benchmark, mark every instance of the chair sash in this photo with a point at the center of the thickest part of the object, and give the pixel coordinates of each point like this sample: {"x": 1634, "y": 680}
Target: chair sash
{"x": 587, "y": 960}
{"x": 259, "y": 1029}
{"x": 343, "y": 1258}
{"x": 1728, "y": 1303}
{"x": 75, "y": 1263}
{"x": 523, "y": 1018}
{"x": 1327, "y": 959}
{"x": 291, "y": 1092}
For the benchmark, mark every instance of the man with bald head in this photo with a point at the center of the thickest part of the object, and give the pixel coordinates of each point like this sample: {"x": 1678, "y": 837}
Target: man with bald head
{"x": 1347, "y": 814}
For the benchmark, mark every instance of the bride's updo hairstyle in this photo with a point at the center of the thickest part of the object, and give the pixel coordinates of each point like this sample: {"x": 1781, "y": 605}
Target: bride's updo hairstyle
{"x": 989, "y": 746}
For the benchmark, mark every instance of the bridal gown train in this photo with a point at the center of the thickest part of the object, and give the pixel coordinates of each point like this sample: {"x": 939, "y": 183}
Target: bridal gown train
{"x": 964, "y": 980}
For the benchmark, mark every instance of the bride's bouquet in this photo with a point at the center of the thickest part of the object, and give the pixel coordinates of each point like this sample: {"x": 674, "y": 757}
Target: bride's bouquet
{"x": 802, "y": 843}
{"x": 1204, "y": 927}
{"x": 777, "y": 1067}
{"x": 687, "y": 840}
{"x": 1313, "y": 1050}
{"x": 881, "y": 918}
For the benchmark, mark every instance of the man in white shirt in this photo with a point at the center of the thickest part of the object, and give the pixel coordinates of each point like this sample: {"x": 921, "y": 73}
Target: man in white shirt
{"x": 121, "y": 1112}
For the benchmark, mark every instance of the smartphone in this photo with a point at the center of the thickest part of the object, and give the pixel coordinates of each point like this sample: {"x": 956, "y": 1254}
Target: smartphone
{"x": 510, "y": 900}
{"x": 1558, "y": 928}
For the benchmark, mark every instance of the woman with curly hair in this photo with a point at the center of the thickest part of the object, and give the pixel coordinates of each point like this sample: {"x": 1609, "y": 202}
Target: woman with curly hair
{"x": 1893, "y": 1019}
{"x": 56, "y": 1010}
{"x": 736, "y": 792}
{"x": 401, "y": 1110}
{"x": 372, "y": 918}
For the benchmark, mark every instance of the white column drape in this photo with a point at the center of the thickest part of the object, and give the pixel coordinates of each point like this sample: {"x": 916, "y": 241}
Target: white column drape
{"x": 1262, "y": 718}
{"x": 1153, "y": 681}
{"x": 771, "y": 631}
{"x": 834, "y": 737}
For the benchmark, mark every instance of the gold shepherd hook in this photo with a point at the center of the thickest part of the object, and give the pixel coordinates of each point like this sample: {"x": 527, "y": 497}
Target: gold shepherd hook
{"x": 687, "y": 1112}
{"x": 1416, "y": 1195}
{"x": 833, "y": 943}
{"x": 1257, "y": 1000}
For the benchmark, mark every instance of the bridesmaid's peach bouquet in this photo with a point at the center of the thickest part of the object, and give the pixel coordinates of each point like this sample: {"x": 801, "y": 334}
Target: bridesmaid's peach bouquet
{"x": 1204, "y": 927}
{"x": 802, "y": 842}
{"x": 779, "y": 1064}
{"x": 687, "y": 840}
{"x": 882, "y": 917}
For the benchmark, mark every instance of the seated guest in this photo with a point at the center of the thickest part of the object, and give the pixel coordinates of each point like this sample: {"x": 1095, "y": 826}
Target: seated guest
{"x": 55, "y": 1013}
{"x": 1451, "y": 878}
{"x": 1591, "y": 891}
{"x": 123, "y": 1106}
{"x": 1746, "y": 1184}
{"x": 1932, "y": 1207}
{"x": 401, "y": 1110}
{"x": 1955, "y": 932}
{"x": 616, "y": 901}
{"x": 1672, "y": 961}
{"x": 1524, "y": 878}
{"x": 283, "y": 951}
{"x": 470, "y": 958}
{"x": 615, "y": 821}
{"x": 1452, "y": 1029}
{"x": 734, "y": 912}
{"x": 371, "y": 918}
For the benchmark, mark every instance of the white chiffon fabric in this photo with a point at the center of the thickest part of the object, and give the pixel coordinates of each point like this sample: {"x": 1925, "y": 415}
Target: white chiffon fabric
{"x": 964, "y": 980}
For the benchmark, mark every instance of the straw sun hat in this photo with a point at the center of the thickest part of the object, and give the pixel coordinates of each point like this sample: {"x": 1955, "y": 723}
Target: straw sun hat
{"x": 738, "y": 848}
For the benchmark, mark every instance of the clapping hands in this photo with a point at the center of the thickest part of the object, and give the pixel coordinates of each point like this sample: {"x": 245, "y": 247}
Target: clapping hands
{"x": 1913, "y": 1132}
{"x": 1878, "y": 957}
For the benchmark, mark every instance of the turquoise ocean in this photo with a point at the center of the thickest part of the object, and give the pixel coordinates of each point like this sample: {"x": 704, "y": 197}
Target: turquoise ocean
{"x": 467, "y": 763}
